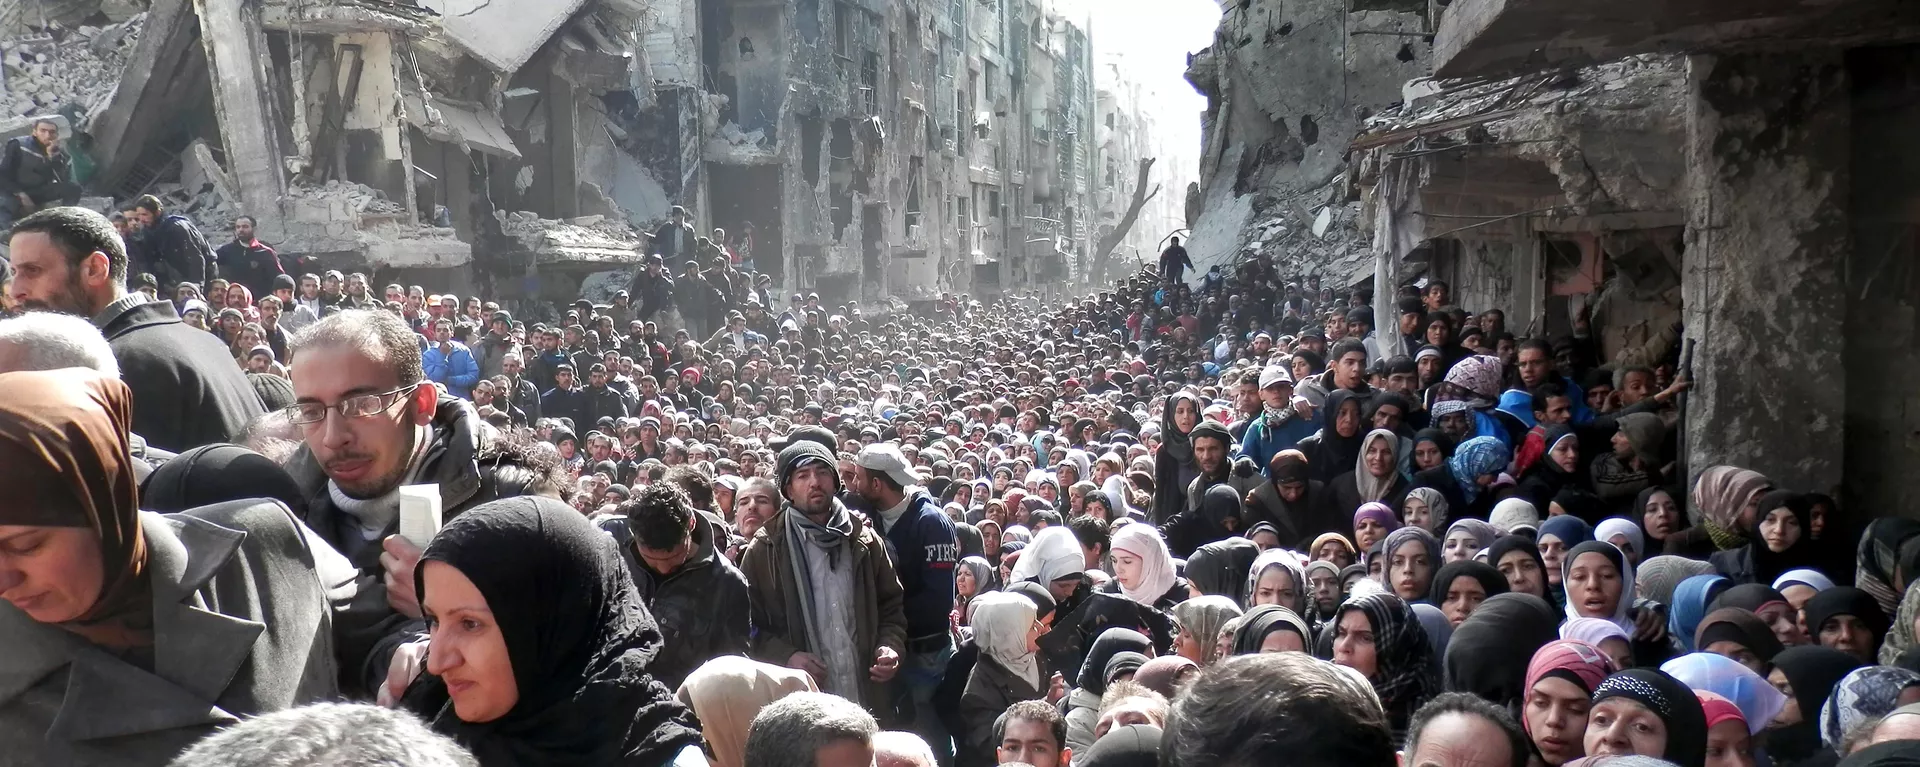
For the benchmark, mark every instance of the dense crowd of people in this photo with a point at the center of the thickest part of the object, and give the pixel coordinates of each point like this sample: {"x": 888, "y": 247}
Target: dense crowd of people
{"x": 1220, "y": 523}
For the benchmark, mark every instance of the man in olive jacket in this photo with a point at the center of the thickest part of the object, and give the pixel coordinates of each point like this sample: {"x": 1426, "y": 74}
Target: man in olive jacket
{"x": 824, "y": 596}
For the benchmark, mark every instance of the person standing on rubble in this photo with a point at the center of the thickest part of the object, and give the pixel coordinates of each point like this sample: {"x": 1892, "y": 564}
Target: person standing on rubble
{"x": 1174, "y": 262}
{"x": 247, "y": 260}
{"x": 36, "y": 171}
{"x": 178, "y": 250}
{"x": 675, "y": 238}
{"x": 653, "y": 289}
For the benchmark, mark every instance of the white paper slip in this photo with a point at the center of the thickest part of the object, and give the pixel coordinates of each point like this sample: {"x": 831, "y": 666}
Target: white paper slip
{"x": 419, "y": 513}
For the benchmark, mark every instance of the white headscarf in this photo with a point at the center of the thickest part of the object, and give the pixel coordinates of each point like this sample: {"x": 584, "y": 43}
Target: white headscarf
{"x": 1285, "y": 560}
{"x": 1512, "y": 514}
{"x": 1156, "y": 563}
{"x": 1612, "y": 526}
{"x": 1622, "y": 609}
{"x": 1813, "y": 578}
{"x": 1054, "y": 553}
{"x": 1001, "y": 621}
{"x": 1116, "y": 489}
{"x": 1374, "y": 488}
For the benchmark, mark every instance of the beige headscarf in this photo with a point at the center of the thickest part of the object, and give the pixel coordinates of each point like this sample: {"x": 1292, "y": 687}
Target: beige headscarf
{"x": 1001, "y": 621}
{"x": 727, "y": 692}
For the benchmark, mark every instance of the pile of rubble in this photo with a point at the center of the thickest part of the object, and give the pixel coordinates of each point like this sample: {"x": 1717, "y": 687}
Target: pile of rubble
{"x": 72, "y": 72}
{"x": 358, "y": 198}
{"x": 587, "y": 239}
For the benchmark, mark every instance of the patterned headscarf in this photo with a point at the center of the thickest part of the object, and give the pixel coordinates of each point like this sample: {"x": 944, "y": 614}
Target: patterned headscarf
{"x": 1879, "y": 556}
{"x": 1406, "y": 536}
{"x": 1864, "y": 694}
{"x": 1668, "y": 699}
{"x": 1900, "y": 638}
{"x": 1437, "y": 507}
{"x": 1479, "y": 374}
{"x": 1203, "y": 618}
{"x": 1483, "y": 534}
{"x": 1404, "y": 669}
{"x": 1477, "y": 457}
{"x": 1720, "y": 496}
{"x": 1659, "y": 576}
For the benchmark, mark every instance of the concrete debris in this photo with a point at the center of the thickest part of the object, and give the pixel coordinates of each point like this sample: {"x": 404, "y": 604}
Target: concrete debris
{"x": 359, "y": 198}
{"x": 583, "y": 239}
{"x": 742, "y": 146}
{"x": 72, "y": 72}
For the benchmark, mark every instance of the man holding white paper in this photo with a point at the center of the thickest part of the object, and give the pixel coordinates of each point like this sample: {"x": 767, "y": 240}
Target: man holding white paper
{"x": 372, "y": 422}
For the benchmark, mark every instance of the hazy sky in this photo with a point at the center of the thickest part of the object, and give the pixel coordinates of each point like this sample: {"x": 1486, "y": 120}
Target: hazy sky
{"x": 1154, "y": 37}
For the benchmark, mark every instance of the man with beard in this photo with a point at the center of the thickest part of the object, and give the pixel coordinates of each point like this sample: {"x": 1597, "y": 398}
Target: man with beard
{"x": 598, "y": 401}
{"x": 370, "y": 421}
{"x": 824, "y": 593}
{"x": 187, "y": 391}
{"x": 358, "y": 296}
{"x": 1212, "y": 450}
{"x": 247, "y": 260}
{"x": 925, "y": 550}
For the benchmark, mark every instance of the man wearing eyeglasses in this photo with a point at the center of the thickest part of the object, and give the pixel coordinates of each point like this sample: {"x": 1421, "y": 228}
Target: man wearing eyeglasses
{"x": 371, "y": 422}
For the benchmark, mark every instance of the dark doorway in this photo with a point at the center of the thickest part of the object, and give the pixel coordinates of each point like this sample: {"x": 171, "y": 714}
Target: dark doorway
{"x": 742, "y": 193}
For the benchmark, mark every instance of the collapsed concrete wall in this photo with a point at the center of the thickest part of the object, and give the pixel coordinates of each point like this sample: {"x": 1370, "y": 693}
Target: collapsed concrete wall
{"x": 1288, "y": 84}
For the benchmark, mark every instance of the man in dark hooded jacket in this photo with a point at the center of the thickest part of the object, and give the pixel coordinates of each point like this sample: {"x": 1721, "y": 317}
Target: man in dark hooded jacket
{"x": 1196, "y": 524}
{"x": 677, "y": 556}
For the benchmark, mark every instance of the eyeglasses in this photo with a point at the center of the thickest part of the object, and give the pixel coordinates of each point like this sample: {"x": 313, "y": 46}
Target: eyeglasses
{"x": 362, "y": 406}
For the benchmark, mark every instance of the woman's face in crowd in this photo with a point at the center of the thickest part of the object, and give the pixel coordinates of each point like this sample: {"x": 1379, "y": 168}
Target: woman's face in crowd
{"x": 1427, "y": 455}
{"x": 1523, "y": 574}
{"x": 1780, "y": 529}
{"x": 1097, "y": 510}
{"x": 1276, "y": 587}
{"x": 1265, "y": 540}
{"x": 964, "y": 583}
{"x": 1192, "y": 646}
{"x": 1416, "y": 513}
{"x": 1817, "y": 519}
{"x": 1379, "y": 458}
{"x": 1552, "y": 551}
{"x": 467, "y": 649}
{"x": 1566, "y": 455}
{"x": 1126, "y": 569}
{"x": 1332, "y": 551}
{"x": 1347, "y": 423}
{"x": 1410, "y": 572}
{"x": 1593, "y": 585}
{"x": 1367, "y": 532}
{"x": 1459, "y": 546}
{"x": 1439, "y": 333}
{"x": 1464, "y": 595}
{"x": 1326, "y": 590}
{"x": 1661, "y": 517}
{"x": 1301, "y": 368}
{"x": 53, "y": 574}
{"x": 1283, "y": 641}
{"x": 1619, "y": 650}
{"x": 1353, "y": 643}
{"x": 1729, "y": 745}
{"x": 1622, "y": 727}
{"x": 1738, "y": 653}
{"x": 1185, "y": 417}
{"x": 1556, "y": 715}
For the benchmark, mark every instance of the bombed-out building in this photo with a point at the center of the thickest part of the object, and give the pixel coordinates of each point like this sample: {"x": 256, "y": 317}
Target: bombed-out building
{"x": 875, "y": 149}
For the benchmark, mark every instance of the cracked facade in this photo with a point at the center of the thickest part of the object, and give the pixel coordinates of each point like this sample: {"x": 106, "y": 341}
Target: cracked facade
{"x": 1725, "y": 183}
{"x": 523, "y": 148}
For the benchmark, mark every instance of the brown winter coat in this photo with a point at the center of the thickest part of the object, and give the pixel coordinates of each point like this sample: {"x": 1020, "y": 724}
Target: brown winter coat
{"x": 880, "y": 618}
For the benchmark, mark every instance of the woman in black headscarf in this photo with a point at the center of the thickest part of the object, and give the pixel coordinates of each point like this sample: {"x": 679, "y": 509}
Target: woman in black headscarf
{"x": 1299, "y": 507}
{"x": 1807, "y": 675}
{"x": 1782, "y": 540}
{"x": 541, "y": 644}
{"x": 1082, "y": 705}
{"x": 1219, "y": 517}
{"x": 1221, "y": 567}
{"x": 1462, "y": 588}
{"x": 1173, "y": 464}
{"x": 1518, "y": 559}
{"x": 1378, "y": 635}
{"x": 1628, "y": 705}
{"x": 1335, "y": 448}
{"x": 1271, "y": 628}
{"x": 214, "y": 474}
{"x": 1737, "y": 635}
{"x": 1484, "y": 656}
{"x": 1660, "y": 515}
{"x": 1848, "y": 619}
{"x": 1558, "y": 468}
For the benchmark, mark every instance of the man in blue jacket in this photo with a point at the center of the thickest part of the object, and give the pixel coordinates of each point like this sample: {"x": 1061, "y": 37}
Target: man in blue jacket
{"x": 1280, "y": 425}
{"x": 449, "y": 362}
{"x": 924, "y": 549}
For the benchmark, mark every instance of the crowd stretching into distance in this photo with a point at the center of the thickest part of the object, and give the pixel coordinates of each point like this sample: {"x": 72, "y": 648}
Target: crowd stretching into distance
{"x": 1214, "y": 524}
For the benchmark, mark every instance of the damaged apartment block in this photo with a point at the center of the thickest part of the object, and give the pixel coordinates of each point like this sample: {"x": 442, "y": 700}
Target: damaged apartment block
{"x": 877, "y": 151}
